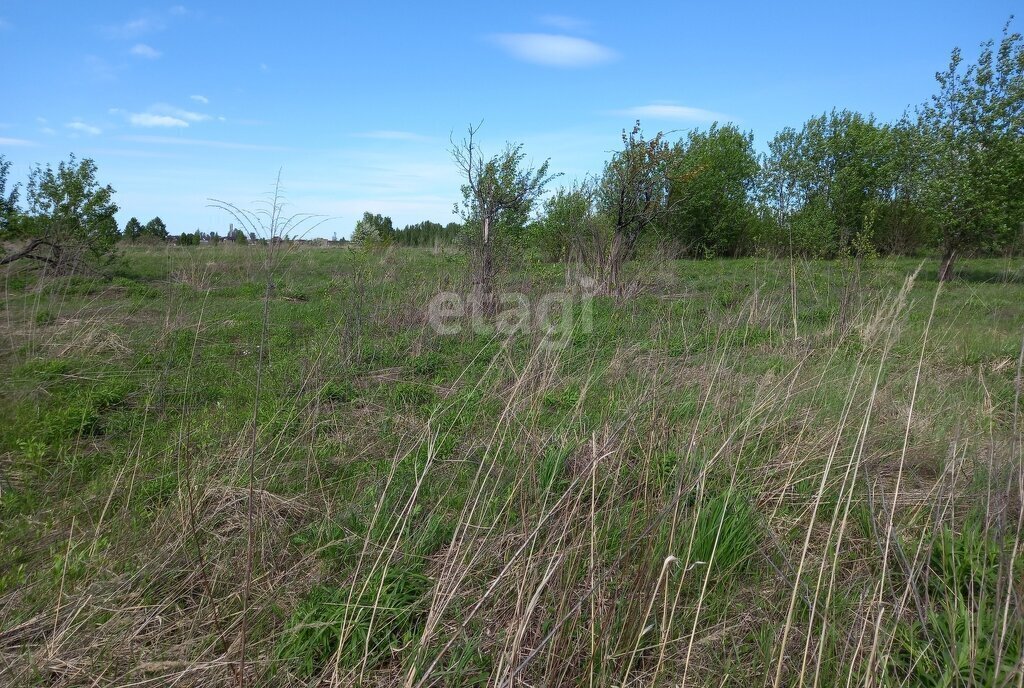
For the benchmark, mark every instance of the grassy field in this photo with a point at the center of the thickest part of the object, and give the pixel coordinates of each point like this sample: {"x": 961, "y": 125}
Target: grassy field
{"x": 206, "y": 481}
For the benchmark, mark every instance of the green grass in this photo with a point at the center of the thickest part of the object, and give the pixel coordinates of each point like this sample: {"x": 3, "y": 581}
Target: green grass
{"x": 689, "y": 491}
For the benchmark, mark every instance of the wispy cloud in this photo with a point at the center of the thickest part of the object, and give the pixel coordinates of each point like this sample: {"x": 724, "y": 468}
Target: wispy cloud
{"x": 187, "y": 115}
{"x": 677, "y": 113}
{"x": 83, "y": 128}
{"x": 200, "y": 99}
{"x": 146, "y": 51}
{"x": 15, "y": 142}
{"x": 162, "y": 115}
{"x": 205, "y": 143}
{"x": 148, "y": 119}
{"x": 564, "y": 23}
{"x": 178, "y": 10}
{"x": 554, "y": 50}
{"x": 4, "y": 24}
{"x": 391, "y": 135}
{"x": 133, "y": 28}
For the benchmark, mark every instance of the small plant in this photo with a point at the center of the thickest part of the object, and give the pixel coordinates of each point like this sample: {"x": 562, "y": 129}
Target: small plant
{"x": 45, "y": 317}
{"x": 361, "y": 622}
{"x": 339, "y": 391}
{"x": 726, "y": 534}
{"x": 961, "y": 640}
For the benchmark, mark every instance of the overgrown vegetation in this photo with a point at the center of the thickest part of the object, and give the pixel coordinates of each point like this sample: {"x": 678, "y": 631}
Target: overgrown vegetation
{"x": 258, "y": 462}
{"x": 204, "y": 479}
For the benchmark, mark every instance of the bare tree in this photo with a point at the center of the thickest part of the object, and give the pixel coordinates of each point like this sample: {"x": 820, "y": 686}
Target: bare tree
{"x": 499, "y": 193}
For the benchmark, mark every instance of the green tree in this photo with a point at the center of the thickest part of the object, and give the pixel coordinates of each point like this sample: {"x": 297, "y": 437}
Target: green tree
{"x": 69, "y": 222}
{"x": 497, "y": 199}
{"x": 973, "y": 130}
{"x": 155, "y": 228}
{"x": 373, "y": 230}
{"x": 633, "y": 194}
{"x": 8, "y": 199}
{"x": 565, "y": 220}
{"x": 842, "y": 182}
{"x": 711, "y": 176}
{"x": 133, "y": 229}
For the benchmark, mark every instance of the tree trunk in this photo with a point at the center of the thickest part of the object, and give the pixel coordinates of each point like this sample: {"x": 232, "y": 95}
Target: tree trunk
{"x": 946, "y": 268}
{"x": 487, "y": 302}
{"x": 485, "y": 280}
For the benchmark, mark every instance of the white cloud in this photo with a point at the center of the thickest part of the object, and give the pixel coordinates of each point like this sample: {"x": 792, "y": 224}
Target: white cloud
{"x": 564, "y": 23}
{"x": 171, "y": 111}
{"x": 162, "y": 115}
{"x": 178, "y": 10}
{"x": 4, "y": 24}
{"x": 148, "y": 119}
{"x": 200, "y": 99}
{"x": 82, "y": 127}
{"x": 135, "y": 28}
{"x": 15, "y": 142}
{"x": 554, "y": 50}
{"x": 679, "y": 113}
{"x": 391, "y": 135}
{"x": 146, "y": 51}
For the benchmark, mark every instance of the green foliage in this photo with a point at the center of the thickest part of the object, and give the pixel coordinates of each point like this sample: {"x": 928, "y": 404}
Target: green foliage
{"x": 69, "y": 220}
{"x": 711, "y": 176}
{"x": 362, "y": 622}
{"x": 497, "y": 198}
{"x": 961, "y": 640}
{"x": 841, "y": 176}
{"x": 633, "y": 194}
{"x": 567, "y": 216}
{"x": 974, "y": 149}
{"x": 190, "y": 239}
{"x": 132, "y": 229}
{"x": 428, "y": 234}
{"x": 155, "y": 228}
{"x": 727, "y": 533}
{"x": 8, "y": 199}
{"x": 373, "y": 230}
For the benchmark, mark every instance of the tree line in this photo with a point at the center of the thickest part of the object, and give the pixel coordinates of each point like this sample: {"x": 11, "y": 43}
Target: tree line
{"x": 946, "y": 177}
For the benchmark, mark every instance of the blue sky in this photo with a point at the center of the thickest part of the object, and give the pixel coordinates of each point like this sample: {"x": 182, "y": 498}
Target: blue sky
{"x": 355, "y": 102}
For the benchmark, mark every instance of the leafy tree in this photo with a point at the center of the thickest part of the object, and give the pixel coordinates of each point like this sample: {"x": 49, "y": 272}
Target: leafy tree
{"x": 777, "y": 185}
{"x": 711, "y": 176}
{"x": 373, "y": 230}
{"x": 633, "y": 193}
{"x": 69, "y": 222}
{"x": 566, "y": 218}
{"x": 237, "y": 236}
{"x": 427, "y": 234}
{"x": 843, "y": 183}
{"x": 973, "y": 130}
{"x": 133, "y": 229}
{"x": 497, "y": 198}
{"x": 155, "y": 228}
{"x": 8, "y": 199}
